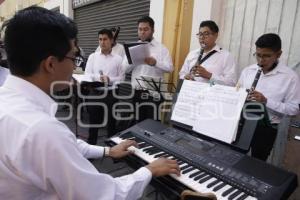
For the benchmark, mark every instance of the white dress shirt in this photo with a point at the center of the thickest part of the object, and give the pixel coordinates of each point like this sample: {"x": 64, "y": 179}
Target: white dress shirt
{"x": 281, "y": 87}
{"x": 221, "y": 64}
{"x": 118, "y": 49}
{"x": 110, "y": 65}
{"x": 3, "y": 74}
{"x": 163, "y": 63}
{"x": 40, "y": 157}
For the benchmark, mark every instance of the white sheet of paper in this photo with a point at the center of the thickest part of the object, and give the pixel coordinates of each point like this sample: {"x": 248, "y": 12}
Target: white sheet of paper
{"x": 138, "y": 53}
{"x": 187, "y": 100}
{"x": 220, "y": 113}
{"x": 211, "y": 111}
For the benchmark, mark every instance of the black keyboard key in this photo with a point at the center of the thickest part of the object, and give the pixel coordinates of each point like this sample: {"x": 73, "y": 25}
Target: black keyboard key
{"x": 188, "y": 170}
{"x": 205, "y": 179}
{"x": 149, "y": 149}
{"x": 126, "y": 135}
{"x": 219, "y": 187}
{"x": 138, "y": 140}
{"x": 200, "y": 176}
{"x": 244, "y": 196}
{"x": 195, "y": 174}
{"x": 180, "y": 162}
{"x": 159, "y": 155}
{"x": 185, "y": 167}
{"x": 143, "y": 145}
{"x": 235, "y": 194}
{"x": 154, "y": 151}
{"x": 165, "y": 155}
{"x": 213, "y": 183}
{"x": 227, "y": 192}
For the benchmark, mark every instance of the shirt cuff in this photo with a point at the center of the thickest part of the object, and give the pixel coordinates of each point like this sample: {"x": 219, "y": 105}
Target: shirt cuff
{"x": 270, "y": 104}
{"x": 212, "y": 80}
{"x": 143, "y": 173}
{"x": 95, "y": 151}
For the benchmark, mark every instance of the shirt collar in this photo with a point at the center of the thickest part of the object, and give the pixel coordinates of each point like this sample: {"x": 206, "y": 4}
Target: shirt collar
{"x": 278, "y": 69}
{"x": 153, "y": 42}
{"x": 31, "y": 92}
{"x": 110, "y": 54}
{"x": 217, "y": 48}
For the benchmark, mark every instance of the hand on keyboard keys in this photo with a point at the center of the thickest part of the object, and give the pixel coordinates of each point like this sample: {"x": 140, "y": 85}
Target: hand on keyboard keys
{"x": 123, "y": 149}
{"x": 163, "y": 166}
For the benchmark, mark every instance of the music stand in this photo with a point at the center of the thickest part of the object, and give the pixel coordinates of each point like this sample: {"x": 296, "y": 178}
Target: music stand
{"x": 156, "y": 85}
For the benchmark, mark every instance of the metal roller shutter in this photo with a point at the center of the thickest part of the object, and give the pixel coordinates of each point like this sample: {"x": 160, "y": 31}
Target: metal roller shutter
{"x": 107, "y": 14}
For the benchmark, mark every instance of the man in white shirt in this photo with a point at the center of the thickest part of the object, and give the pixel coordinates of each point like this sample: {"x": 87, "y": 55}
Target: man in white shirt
{"x": 40, "y": 157}
{"x": 158, "y": 63}
{"x": 104, "y": 66}
{"x": 117, "y": 48}
{"x": 209, "y": 63}
{"x": 278, "y": 87}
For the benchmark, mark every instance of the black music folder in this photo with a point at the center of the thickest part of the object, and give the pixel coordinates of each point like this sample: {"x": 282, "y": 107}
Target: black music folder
{"x": 129, "y": 54}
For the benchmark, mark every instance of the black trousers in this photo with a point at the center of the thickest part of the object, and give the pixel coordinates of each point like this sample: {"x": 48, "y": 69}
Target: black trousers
{"x": 100, "y": 114}
{"x": 263, "y": 141}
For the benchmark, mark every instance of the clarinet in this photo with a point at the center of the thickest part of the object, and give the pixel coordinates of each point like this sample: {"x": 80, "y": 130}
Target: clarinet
{"x": 198, "y": 60}
{"x": 253, "y": 86}
{"x": 258, "y": 73}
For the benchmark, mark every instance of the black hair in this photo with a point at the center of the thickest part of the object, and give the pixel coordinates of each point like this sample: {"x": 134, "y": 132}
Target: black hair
{"x": 106, "y": 32}
{"x": 270, "y": 41}
{"x": 147, "y": 19}
{"x": 211, "y": 25}
{"x": 34, "y": 34}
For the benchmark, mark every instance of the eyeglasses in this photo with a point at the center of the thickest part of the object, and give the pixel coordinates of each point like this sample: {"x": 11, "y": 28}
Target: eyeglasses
{"x": 78, "y": 60}
{"x": 204, "y": 34}
{"x": 263, "y": 56}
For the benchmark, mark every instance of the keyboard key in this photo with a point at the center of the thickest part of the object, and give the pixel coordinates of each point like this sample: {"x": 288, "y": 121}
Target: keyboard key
{"x": 188, "y": 170}
{"x": 219, "y": 187}
{"x": 205, "y": 179}
{"x": 244, "y": 196}
{"x": 195, "y": 174}
{"x": 213, "y": 183}
{"x": 224, "y": 194}
{"x": 235, "y": 194}
{"x": 200, "y": 176}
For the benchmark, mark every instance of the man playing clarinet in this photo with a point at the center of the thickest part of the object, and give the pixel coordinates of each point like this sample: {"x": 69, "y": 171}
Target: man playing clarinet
{"x": 277, "y": 86}
{"x": 209, "y": 63}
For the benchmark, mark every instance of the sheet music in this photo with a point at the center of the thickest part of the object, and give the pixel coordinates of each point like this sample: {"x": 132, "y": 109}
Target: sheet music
{"x": 184, "y": 109}
{"x": 138, "y": 53}
{"x": 211, "y": 110}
